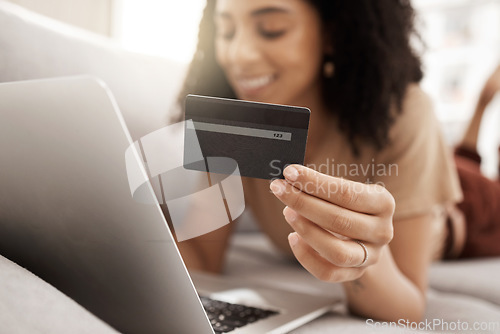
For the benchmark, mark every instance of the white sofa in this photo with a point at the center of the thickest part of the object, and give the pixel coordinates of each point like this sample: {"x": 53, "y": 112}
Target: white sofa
{"x": 32, "y": 46}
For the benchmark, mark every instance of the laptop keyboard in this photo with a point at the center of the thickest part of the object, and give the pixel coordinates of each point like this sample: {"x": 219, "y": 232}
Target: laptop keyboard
{"x": 226, "y": 317}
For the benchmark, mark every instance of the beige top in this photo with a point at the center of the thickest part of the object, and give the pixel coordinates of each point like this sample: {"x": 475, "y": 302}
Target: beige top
{"x": 416, "y": 167}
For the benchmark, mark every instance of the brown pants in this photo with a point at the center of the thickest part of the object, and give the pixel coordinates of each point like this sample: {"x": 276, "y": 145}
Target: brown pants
{"x": 481, "y": 206}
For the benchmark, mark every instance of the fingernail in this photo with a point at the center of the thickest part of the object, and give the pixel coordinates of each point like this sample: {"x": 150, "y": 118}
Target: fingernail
{"x": 291, "y": 173}
{"x": 290, "y": 215}
{"x": 293, "y": 239}
{"x": 277, "y": 187}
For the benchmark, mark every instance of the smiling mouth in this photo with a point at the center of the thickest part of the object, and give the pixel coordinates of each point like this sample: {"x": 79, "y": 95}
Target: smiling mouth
{"x": 255, "y": 83}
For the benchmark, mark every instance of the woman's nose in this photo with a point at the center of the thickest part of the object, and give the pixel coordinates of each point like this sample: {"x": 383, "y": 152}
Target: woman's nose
{"x": 244, "y": 50}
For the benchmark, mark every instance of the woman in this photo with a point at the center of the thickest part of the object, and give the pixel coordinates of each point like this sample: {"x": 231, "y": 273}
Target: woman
{"x": 351, "y": 63}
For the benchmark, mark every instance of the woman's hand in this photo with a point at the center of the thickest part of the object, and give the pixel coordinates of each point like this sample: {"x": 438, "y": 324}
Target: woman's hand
{"x": 329, "y": 216}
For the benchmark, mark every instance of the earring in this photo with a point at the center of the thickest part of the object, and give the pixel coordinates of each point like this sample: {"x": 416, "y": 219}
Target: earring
{"x": 329, "y": 69}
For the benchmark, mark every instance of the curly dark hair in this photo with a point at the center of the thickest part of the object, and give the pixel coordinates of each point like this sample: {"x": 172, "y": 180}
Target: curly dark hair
{"x": 374, "y": 64}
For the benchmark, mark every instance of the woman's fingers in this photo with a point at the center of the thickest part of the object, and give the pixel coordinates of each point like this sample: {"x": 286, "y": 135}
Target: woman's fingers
{"x": 341, "y": 253}
{"x": 332, "y": 217}
{"x": 351, "y": 195}
{"x": 322, "y": 209}
{"x": 318, "y": 266}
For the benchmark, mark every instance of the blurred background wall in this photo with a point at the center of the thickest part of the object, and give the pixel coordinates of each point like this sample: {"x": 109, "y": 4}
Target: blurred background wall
{"x": 462, "y": 39}
{"x": 93, "y": 15}
{"x": 463, "y": 48}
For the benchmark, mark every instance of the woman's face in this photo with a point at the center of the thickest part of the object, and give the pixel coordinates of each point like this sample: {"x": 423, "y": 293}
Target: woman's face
{"x": 270, "y": 50}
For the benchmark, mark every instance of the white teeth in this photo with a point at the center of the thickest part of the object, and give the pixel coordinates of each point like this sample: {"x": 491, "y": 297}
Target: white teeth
{"x": 255, "y": 83}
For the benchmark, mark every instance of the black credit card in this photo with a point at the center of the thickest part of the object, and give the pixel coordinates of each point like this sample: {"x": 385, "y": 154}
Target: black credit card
{"x": 262, "y": 138}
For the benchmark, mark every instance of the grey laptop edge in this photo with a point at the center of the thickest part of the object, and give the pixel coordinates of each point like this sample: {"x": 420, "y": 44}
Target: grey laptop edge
{"x": 67, "y": 215}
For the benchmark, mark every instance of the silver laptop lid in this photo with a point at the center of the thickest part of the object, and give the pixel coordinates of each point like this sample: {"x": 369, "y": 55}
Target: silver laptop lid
{"x": 66, "y": 212}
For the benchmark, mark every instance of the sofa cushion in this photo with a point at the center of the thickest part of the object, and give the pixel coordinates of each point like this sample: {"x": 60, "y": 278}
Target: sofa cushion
{"x": 477, "y": 278}
{"x": 29, "y": 305}
{"x": 459, "y": 291}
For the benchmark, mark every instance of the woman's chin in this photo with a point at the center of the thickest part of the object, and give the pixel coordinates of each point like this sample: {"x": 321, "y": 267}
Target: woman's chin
{"x": 256, "y": 96}
{"x": 261, "y": 97}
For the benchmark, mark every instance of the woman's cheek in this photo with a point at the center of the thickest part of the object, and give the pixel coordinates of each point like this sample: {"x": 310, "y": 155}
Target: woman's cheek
{"x": 221, "y": 49}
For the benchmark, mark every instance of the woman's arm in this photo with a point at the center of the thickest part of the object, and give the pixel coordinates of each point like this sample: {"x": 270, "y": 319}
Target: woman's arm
{"x": 206, "y": 252}
{"x": 321, "y": 207}
{"x": 395, "y": 287}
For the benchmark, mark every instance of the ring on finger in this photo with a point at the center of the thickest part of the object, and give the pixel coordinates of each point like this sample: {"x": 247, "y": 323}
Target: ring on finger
{"x": 365, "y": 250}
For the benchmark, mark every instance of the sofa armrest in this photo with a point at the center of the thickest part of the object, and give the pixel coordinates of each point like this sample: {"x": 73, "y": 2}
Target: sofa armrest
{"x": 34, "y": 47}
{"x": 30, "y": 305}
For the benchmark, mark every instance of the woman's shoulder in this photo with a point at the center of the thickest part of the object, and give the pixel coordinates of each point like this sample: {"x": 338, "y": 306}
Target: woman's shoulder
{"x": 417, "y": 106}
{"x": 416, "y": 130}
{"x": 416, "y": 117}
{"x": 426, "y": 176}
{"x": 415, "y": 94}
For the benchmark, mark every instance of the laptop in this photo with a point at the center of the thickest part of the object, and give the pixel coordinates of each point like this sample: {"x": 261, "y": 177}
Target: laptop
{"x": 67, "y": 215}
